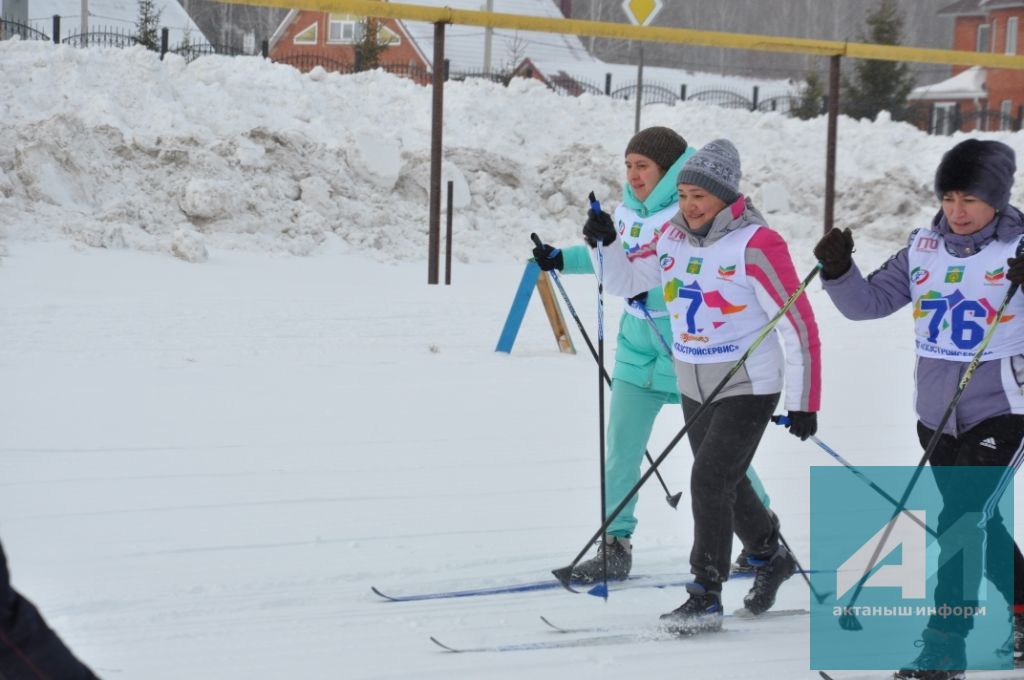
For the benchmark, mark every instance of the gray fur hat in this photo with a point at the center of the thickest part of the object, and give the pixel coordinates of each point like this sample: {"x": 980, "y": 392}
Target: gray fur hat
{"x": 715, "y": 168}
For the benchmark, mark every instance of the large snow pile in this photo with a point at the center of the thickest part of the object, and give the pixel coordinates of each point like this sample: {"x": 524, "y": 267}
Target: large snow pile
{"x": 115, "y": 148}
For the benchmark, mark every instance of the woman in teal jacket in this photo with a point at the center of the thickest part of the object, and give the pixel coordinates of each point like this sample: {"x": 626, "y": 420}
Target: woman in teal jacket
{"x": 643, "y": 378}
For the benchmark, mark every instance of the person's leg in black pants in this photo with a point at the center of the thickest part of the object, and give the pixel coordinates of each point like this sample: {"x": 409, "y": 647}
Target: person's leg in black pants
{"x": 29, "y": 650}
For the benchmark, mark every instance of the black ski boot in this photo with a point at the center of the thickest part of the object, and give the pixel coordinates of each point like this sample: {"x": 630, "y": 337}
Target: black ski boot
{"x": 620, "y": 561}
{"x": 742, "y": 564}
{"x": 943, "y": 657}
{"x": 701, "y": 613}
{"x": 1014, "y": 645}
{"x": 769, "y": 574}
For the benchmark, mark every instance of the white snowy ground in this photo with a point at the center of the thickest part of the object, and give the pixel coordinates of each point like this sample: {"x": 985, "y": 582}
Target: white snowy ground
{"x": 205, "y": 467}
{"x": 207, "y": 460}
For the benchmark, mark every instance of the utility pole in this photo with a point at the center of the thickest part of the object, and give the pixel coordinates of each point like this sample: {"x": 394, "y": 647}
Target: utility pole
{"x": 488, "y": 35}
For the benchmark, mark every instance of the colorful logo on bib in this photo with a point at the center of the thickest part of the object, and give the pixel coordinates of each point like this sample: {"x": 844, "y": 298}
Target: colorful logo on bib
{"x": 995, "y": 276}
{"x": 694, "y": 265}
{"x": 727, "y": 272}
{"x": 955, "y": 274}
{"x": 919, "y": 275}
{"x": 635, "y": 230}
{"x": 694, "y": 298}
{"x": 964, "y": 320}
{"x": 667, "y": 262}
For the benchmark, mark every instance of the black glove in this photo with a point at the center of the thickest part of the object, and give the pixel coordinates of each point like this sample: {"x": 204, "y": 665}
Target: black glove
{"x": 1015, "y": 272}
{"x": 548, "y": 257}
{"x": 639, "y": 297}
{"x": 834, "y": 251}
{"x": 802, "y": 424}
{"x": 599, "y": 227}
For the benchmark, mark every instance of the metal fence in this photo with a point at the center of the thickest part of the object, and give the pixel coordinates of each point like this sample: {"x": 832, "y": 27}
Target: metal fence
{"x": 10, "y": 29}
{"x": 945, "y": 119}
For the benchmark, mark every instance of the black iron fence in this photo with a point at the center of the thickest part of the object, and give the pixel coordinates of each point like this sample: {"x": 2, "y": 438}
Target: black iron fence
{"x": 947, "y": 118}
{"x": 10, "y": 29}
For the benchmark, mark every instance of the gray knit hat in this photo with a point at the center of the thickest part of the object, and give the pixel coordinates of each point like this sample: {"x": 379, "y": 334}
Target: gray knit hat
{"x": 715, "y": 168}
{"x": 661, "y": 144}
{"x": 980, "y": 168}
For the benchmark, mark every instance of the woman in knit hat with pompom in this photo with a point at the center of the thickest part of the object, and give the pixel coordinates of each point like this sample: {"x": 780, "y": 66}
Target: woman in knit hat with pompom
{"x": 956, "y": 273}
{"x": 643, "y": 379}
{"x": 723, "y": 275}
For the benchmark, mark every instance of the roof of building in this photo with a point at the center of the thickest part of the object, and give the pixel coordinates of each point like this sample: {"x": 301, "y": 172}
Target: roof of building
{"x": 962, "y": 8}
{"x": 117, "y": 14}
{"x": 969, "y": 84}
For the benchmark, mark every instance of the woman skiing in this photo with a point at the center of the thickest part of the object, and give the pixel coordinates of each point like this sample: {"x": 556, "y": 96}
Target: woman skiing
{"x": 969, "y": 254}
{"x": 643, "y": 379}
{"x": 723, "y": 275}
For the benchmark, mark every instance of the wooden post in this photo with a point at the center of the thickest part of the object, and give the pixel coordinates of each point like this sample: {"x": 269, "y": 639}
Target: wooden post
{"x": 554, "y": 312}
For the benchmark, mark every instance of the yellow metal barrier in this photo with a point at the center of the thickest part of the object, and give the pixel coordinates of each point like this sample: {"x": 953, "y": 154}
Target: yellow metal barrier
{"x": 684, "y": 36}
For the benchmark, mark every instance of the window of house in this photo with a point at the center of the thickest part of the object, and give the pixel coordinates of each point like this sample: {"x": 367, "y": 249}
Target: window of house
{"x": 344, "y": 28}
{"x": 306, "y": 36}
{"x": 983, "y": 38}
{"x": 1011, "y": 35}
{"x": 943, "y": 118}
{"x": 1006, "y": 114}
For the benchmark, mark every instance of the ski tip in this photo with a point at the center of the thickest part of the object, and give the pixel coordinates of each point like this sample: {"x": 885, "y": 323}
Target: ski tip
{"x": 744, "y": 613}
{"x": 553, "y": 627}
{"x": 443, "y": 645}
{"x": 386, "y": 597}
{"x": 564, "y": 576}
{"x": 600, "y": 590}
{"x": 673, "y": 501}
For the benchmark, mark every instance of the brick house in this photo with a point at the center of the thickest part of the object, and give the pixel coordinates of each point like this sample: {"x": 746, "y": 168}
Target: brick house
{"x": 307, "y": 38}
{"x": 978, "y": 98}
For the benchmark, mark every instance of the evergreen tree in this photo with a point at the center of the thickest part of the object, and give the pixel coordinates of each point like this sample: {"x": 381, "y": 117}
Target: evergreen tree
{"x": 879, "y": 85}
{"x": 811, "y": 98}
{"x": 148, "y": 25}
{"x": 370, "y": 48}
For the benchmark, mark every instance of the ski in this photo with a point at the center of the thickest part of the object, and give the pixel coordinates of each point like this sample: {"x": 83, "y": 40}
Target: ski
{"x": 592, "y": 641}
{"x": 738, "y": 614}
{"x": 551, "y": 584}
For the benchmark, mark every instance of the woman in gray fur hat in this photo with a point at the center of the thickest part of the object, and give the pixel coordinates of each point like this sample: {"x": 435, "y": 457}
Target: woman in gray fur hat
{"x": 954, "y": 272}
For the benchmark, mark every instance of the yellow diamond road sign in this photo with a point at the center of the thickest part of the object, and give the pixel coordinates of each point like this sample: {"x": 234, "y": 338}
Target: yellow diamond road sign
{"x": 641, "y": 12}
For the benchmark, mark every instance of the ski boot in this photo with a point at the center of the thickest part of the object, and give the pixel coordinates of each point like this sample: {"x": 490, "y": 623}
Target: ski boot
{"x": 769, "y": 574}
{"x": 1014, "y": 645}
{"x": 943, "y": 657}
{"x": 742, "y": 564}
{"x": 701, "y": 613}
{"x": 620, "y": 561}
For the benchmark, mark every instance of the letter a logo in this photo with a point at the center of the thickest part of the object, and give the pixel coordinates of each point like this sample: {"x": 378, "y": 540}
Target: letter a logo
{"x": 910, "y": 575}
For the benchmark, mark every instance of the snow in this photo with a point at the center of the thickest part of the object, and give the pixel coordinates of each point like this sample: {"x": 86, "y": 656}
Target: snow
{"x": 968, "y": 84}
{"x": 231, "y": 404}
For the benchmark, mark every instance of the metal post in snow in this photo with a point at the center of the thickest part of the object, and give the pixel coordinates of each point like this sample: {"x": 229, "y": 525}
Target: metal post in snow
{"x": 753, "y": 105}
{"x": 56, "y": 29}
{"x": 639, "y": 89}
{"x": 448, "y": 236}
{"x": 830, "y": 153}
{"x": 608, "y": 84}
{"x": 682, "y": 92}
{"x": 436, "y": 127}
{"x": 164, "y": 40}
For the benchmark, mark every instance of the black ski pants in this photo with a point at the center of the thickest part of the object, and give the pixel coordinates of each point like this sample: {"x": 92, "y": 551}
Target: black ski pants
{"x": 723, "y": 440}
{"x": 29, "y": 650}
{"x": 991, "y": 442}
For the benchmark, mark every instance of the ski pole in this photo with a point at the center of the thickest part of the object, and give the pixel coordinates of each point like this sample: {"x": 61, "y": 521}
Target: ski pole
{"x": 654, "y": 327}
{"x": 820, "y": 597}
{"x": 601, "y": 591}
{"x": 564, "y": 574}
{"x": 671, "y": 498}
{"x": 784, "y": 420}
{"x": 849, "y": 621}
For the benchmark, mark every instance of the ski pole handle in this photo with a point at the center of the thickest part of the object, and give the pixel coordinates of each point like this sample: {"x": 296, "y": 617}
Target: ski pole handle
{"x": 595, "y": 205}
{"x": 781, "y": 420}
{"x": 540, "y": 244}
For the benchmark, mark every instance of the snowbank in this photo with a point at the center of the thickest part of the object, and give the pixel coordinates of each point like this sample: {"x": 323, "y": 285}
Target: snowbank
{"x": 117, "y": 149}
